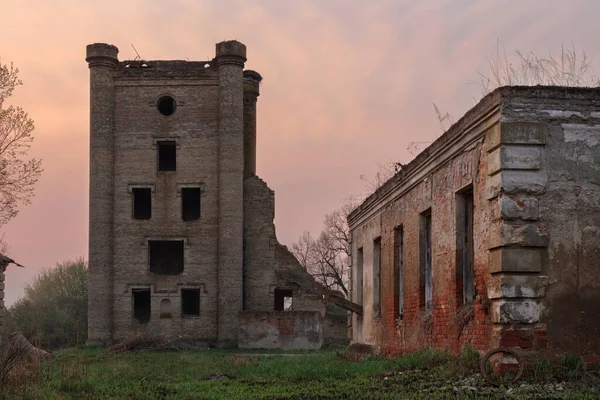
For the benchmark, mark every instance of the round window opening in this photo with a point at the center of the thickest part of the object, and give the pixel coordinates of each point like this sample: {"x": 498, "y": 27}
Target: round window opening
{"x": 166, "y": 105}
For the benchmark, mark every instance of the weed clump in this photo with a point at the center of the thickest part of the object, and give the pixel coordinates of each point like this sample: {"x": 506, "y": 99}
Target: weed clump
{"x": 243, "y": 361}
{"x": 357, "y": 352}
{"x": 572, "y": 366}
{"x": 20, "y": 360}
{"x": 423, "y": 359}
{"x": 467, "y": 362}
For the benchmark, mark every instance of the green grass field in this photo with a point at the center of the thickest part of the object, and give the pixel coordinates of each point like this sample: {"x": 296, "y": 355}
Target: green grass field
{"x": 91, "y": 373}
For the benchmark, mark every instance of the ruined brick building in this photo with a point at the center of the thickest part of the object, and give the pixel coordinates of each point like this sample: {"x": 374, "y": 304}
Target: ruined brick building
{"x": 181, "y": 237}
{"x": 491, "y": 236}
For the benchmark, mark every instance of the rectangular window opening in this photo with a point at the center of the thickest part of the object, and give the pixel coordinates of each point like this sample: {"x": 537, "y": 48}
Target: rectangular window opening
{"x": 359, "y": 277}
{"x": 283, "y": 300}
{"x": 166, "y": 256}
{"x": 399, "y": 262}
{"x": 142, "y": 203}
{"x": 190, "y": 302}
{"x": 167, "y": 155}
{"x": 425, "y": 275}
{"x": 465, "y": 250}
{"x": 141, "y": 305}
{"x": 190, "y": 203}
{"x": 377, "y": 278}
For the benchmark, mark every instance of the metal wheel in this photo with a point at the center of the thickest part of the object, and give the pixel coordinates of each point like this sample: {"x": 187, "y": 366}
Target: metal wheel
{"x": 487, "y": 366}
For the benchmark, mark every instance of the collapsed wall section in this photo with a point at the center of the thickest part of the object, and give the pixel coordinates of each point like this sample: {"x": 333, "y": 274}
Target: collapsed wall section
{"x": 259, "y": 245}
{"x": 270, "y": 267}
{"x": 281, "y": 307}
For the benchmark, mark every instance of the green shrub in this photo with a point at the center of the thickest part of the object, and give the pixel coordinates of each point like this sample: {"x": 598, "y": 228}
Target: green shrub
{"x": 53, "y": 312}
{"x": 542, "y": 369}
{"x": 572, "y": 366}
{"x": 467, "y": 362}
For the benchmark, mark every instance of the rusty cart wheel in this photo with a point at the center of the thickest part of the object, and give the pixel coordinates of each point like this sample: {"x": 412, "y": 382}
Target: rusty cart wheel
{"x": 485, "y": 370}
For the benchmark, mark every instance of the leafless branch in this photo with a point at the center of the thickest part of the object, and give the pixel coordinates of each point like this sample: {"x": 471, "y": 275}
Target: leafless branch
{"x": 326, "y": 257}
{"x": 18, "y": 175}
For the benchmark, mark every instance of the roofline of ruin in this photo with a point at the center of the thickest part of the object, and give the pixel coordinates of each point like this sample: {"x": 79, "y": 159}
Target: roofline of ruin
{"x": 476, "y": 121}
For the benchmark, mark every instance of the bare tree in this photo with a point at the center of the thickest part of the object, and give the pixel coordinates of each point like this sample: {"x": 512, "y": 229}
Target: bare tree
{"x": 302, "y": 249}
{"x": 18, "y": 175}
{"x": 326, "y": 257}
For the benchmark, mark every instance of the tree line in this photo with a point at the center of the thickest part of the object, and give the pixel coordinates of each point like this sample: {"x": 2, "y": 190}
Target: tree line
{"x": 53, "y": 312}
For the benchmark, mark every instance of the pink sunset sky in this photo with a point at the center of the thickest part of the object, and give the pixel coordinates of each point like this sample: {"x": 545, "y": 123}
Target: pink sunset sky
{"x": 347, "y": 84}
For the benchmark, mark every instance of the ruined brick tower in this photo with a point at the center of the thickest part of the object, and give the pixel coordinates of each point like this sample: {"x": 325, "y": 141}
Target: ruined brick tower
{"x": 173, "y": 188}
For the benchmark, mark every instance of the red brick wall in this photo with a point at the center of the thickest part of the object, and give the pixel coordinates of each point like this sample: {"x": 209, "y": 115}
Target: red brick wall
{"x": 446, "y": 328}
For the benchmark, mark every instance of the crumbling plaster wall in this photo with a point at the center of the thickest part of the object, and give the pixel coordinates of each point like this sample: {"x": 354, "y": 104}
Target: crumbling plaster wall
{"x": 296, "y": 330}
{"x": 366, "y": 326}
{"x": 335, "y": 332}
{"x": 568, "y": 192}
{"x": 517, "y": 238}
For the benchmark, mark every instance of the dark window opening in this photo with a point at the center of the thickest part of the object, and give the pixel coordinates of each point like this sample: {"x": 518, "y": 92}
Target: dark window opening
{"x": 190, "y": 302}
{"x": 399, "y": 281}
{"x": 142, "y": 203}
{"x": 425, "y": 275}
{"x": 465, "y": 266}
{"x": 141, "y": 305}
{"x": 166, "y": 105}
{"x": 167, "y": 155}
{"x": 190, "y": 204}
{"x": 166, "y": 256}
{"x": 283, "y": 300}
{"x": 359, "y": 277}
{"x": 377, "y": 278}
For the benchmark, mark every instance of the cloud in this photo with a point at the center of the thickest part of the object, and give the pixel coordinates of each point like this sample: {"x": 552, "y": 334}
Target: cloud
{"x": 347, "y": 84}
